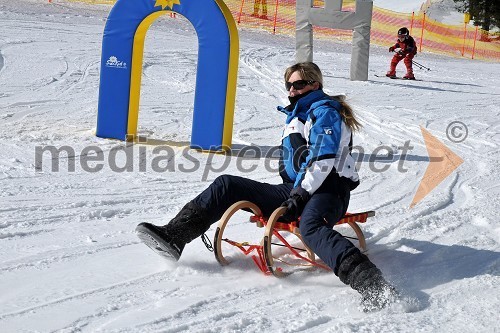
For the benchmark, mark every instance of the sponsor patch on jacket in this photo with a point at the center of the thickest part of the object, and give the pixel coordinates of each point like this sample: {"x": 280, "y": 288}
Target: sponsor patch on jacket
{"x": 328, "y": 130}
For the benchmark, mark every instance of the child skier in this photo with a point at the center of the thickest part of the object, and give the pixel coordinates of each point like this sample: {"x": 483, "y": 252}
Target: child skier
{"x": 406, "y": 49}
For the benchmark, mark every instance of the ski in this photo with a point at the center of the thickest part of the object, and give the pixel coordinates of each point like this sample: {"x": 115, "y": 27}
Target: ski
{"x": 396, "y": 78}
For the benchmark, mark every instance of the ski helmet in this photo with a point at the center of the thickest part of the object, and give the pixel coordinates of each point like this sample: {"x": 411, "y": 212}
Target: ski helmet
{"x": 403, "y": 32}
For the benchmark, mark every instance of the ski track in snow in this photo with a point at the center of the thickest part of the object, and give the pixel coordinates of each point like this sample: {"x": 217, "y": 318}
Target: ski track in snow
{"x": 71, "y": 262}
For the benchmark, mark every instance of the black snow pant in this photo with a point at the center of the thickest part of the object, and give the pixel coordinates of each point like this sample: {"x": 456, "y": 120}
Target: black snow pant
{"x": 325, "y": 208}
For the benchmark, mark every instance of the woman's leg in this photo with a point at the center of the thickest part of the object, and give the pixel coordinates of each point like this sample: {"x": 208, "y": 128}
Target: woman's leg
{"x": 209, "y": 206}
{"x": 352, "y": 267}
{"x": 319, "y": 235}
{"x": 227, "y": 189}
{"x": 196, "y": 217}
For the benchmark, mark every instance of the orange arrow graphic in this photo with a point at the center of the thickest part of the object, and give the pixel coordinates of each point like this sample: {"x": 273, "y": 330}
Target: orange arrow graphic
{"x": 443, "y": 163}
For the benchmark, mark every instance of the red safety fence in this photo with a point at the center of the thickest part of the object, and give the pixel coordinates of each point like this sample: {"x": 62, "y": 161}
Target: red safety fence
{"x": 278, "y": 17}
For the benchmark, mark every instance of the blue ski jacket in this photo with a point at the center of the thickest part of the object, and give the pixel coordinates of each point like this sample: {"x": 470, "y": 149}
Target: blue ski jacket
{"x": 316, "y": 144}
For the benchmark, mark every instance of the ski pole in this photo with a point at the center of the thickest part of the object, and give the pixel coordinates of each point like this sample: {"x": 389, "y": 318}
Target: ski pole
{"x": 420, "y": 65}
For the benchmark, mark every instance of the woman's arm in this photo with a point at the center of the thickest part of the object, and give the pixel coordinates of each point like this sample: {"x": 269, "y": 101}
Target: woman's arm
{"x": 324, "y": 129}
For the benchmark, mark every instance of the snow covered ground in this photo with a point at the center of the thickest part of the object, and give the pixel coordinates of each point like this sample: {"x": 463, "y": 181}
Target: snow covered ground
{"x": 70, "y": 259}
{"x": 443, "y": 11}
{"x": 406, "y": 6}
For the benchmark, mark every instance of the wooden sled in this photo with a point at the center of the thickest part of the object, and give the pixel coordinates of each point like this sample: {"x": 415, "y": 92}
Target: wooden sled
{"x": 268, "y": 254}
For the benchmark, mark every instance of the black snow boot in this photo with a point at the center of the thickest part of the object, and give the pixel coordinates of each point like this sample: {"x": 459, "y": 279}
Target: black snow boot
{"x": 363, "y": 276}
{"x": 169, "y": 240}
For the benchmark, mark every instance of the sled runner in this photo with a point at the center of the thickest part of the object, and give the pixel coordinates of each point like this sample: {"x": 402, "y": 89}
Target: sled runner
{"x": 282, "y": 246}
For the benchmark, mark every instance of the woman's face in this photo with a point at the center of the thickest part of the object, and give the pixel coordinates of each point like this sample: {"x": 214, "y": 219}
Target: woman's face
{"x": 306, "y": 86}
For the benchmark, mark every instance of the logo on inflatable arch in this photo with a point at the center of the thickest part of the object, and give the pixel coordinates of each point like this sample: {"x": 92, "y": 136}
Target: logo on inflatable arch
{"x": 114, "y": 62}
{"x": 215, "y": 91}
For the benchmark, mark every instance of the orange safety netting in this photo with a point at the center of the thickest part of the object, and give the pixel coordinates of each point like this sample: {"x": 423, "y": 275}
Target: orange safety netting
{"x": 278, "y": 17}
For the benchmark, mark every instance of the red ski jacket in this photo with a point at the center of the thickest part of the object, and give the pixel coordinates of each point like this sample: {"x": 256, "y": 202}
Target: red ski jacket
{"x": 407, "y": 46}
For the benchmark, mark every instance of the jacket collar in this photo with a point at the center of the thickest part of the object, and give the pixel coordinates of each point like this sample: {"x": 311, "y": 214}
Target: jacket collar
{"x": 304, "y": 104}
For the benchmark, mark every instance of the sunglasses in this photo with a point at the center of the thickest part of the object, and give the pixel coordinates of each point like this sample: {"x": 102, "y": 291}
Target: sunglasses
{"x": 297, "y": 85}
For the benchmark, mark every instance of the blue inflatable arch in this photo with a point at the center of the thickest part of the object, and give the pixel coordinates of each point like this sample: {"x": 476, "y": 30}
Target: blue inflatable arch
{"x": 121, "y": 68}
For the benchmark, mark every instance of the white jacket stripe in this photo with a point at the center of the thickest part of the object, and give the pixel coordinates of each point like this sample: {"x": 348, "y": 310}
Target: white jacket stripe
{"x": 295, "y": 126}
{"x": 316, "y": 174}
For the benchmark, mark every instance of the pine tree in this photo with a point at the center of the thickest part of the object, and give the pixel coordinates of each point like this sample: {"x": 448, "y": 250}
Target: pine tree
{"x": 485, "y": 13}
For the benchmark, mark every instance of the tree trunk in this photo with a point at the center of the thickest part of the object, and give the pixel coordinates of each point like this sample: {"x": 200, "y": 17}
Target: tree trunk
{"x": 486, "y": 20}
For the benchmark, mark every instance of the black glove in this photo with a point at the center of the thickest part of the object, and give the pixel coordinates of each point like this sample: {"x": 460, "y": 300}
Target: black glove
{"x": 391, "y": 49}
{"x": 295, "y": 203}
{"x": 401, "y": 53}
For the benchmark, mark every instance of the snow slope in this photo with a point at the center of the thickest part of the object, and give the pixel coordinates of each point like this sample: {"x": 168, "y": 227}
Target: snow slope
{"x": 71, "y": 261}
{"x": 406, "y": 6}
{"x": 443, "y": 11}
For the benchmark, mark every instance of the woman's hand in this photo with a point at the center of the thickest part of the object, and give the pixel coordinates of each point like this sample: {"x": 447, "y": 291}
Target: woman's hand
{"x": 295, "y": 203}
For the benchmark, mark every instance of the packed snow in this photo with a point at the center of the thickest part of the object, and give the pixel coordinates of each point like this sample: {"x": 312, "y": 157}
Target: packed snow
{"x": 406, "y": 6}
{"x": 444, "y": 11}
{"x": 72, "y": 263}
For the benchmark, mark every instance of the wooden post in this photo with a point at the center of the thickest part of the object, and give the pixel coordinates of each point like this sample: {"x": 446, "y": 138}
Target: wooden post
{"x": 241, "y": 9}
{"x": 474, "y": 47}
{"x": 411, "y": 24}
{"x": 422, "y": 33}
{"x": 275, "y": 16}
{"x": 465, "y": 34}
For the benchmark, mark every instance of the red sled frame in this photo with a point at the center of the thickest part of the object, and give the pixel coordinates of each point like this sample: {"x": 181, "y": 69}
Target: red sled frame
{"x": 264, "y": 258}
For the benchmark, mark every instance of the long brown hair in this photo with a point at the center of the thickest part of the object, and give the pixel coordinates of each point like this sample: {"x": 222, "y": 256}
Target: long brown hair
{"x": 347, "y": 114}
{"x": 311, "y": 72}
